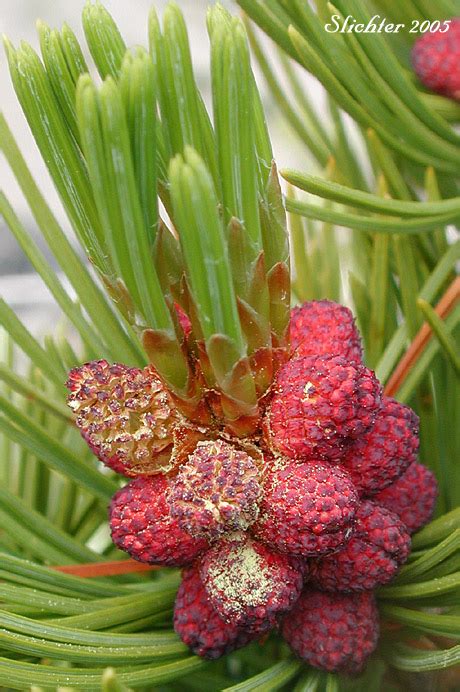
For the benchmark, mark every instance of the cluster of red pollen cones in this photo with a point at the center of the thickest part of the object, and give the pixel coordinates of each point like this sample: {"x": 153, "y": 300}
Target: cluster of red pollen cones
{"x": 291, "y": 528}
{"x": 436, "y": 59}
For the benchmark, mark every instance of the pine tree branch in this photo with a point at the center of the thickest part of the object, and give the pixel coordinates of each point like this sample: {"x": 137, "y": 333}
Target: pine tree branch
{"x": 105, "y": 569}
{"x": 445, "y": 306}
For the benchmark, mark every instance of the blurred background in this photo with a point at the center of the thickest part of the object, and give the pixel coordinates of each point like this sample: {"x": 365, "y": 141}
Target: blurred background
{"x": 18, "y": 285}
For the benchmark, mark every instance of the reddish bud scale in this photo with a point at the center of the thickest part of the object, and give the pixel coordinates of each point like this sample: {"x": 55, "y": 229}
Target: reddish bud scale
{"x": 412, "y": 497}
{"x": 197, "y": 623}
{"x": 319, "y": 405}
{"x": 436, "y": 60}
{"x": 379, "y": 546}
{"x": 184, "y": 320}
{"x": 125, "y": 415}
{"x": 307, "y": 509}
{"x": 380, "y": 456}
{"x": 248, "y": 584}
{"x": 217, "y": 490}
{"x": 334, "y": 632}
{"x": 322, "y": 327}
{"x": 141, "y": 525}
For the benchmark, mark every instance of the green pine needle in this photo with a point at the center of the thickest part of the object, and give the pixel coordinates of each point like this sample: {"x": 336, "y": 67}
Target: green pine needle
{"x": 195, "y": 207}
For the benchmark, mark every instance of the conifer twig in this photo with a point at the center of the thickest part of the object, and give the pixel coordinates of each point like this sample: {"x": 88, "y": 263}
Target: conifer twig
{"x": 443, "y": 308}
{"x": 104, "y": 569}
